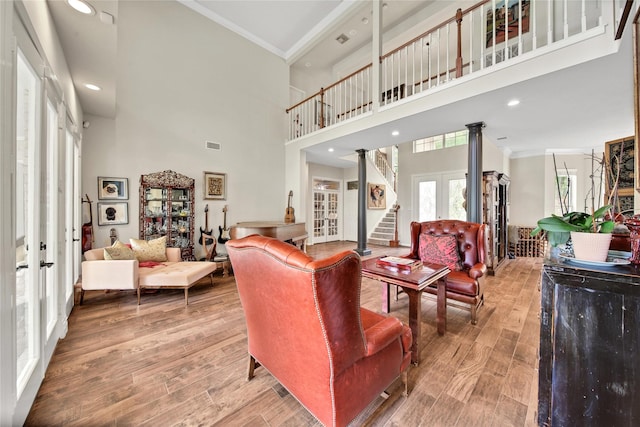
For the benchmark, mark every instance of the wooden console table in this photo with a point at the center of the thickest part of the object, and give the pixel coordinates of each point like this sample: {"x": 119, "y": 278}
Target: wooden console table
{"x": 413, "y": 284}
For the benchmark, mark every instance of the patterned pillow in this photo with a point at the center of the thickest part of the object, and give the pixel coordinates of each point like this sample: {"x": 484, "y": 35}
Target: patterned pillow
{"x": 112, "y": 253}
{"x": 440, "y": 250}
{"x": 151, "y": 250}
{"x": 118, "y": 251}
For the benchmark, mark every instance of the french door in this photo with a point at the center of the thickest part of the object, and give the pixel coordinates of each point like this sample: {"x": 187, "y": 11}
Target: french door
{"x": 39, "y": 299}
{"x": 439, "y": 196}
{"x": 327, "y": 205}
{"x": 27, "y": 231}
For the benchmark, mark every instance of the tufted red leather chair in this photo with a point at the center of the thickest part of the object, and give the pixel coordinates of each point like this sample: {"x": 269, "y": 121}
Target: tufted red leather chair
{"x": 462, "y": 286}
{"x": 306, "y": 327}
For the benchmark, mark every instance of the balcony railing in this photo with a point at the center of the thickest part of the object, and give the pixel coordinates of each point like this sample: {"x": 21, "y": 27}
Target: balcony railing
{"x": 482, "y": 36}
{"x": 380, "y": 160}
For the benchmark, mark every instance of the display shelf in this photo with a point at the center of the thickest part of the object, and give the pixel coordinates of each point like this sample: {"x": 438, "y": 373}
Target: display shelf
{"x": 167, "y": 209}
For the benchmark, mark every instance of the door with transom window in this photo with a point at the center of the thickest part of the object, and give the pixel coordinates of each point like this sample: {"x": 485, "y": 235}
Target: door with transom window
{"x": 327, "y": 206}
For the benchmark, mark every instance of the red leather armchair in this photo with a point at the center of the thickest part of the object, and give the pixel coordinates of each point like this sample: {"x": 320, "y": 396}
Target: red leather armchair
{"x": 306, "y": 327}
{"x": 464, "y": 286}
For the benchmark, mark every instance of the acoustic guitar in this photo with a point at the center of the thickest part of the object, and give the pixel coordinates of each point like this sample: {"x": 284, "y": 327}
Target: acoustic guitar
{"x": 289, "y": 215}
{"x": 224, "y": 232}
{"x": 87, "y": 228}
{"x": 206, "y": 240}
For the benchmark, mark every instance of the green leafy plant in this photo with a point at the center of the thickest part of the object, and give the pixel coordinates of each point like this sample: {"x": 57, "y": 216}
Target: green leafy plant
{"x": 558, "y": 228}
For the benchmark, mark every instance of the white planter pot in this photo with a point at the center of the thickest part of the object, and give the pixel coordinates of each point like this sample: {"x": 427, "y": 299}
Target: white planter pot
{"x": 591, "y": 246}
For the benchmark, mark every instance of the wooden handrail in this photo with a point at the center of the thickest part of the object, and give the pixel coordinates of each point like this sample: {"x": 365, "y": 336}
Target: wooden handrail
{"x": 329, "y": 87}
{"x": 434, "y": 29}
{"x": 456, "y": 18}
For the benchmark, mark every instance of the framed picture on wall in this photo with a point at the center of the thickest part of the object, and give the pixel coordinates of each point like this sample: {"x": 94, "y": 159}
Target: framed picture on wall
{"x": 113, "y": 213}
{"x": 113, "y": 188}
{"x": 215, "y": 186}
{"x": 377, "y": 196}
{"x": 619, "y": 155}
{"x": 504, "y": 23}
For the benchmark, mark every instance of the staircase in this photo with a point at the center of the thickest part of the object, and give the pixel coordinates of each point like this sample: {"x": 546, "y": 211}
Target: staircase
{"x": 385, "y": 231}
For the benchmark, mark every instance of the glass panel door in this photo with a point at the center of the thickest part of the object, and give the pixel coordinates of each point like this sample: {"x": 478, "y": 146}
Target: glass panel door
{"x": 427, "y": 200}
{"x": 27, "y": 257}
{"x": 326, "y": 210}
{"x": 440, "y": 196}
{"x": 319, "y": 222}
{"x": 48, "y": 220}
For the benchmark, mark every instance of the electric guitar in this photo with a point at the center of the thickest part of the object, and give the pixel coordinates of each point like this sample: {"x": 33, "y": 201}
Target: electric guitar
{"x": 87, "y": 228}
{"x": 224, "y": 232}
{"x": 289, "y": 215}
{"x": 204, "y": 241}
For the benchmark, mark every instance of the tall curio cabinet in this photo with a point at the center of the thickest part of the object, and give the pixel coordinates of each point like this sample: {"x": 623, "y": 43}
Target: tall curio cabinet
{"x": 167, "y": 209}
{"x": 495, "y": 213}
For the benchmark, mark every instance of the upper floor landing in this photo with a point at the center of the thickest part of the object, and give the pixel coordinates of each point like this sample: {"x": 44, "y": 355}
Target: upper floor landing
{"x": 463, "y": 69}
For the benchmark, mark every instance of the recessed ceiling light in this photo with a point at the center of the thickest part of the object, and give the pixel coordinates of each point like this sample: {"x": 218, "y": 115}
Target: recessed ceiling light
{"x": 365, "y": 20}
{"x": 395, "y": 133}
{"x": 331, "y": 150}
{"x": 81, "y": 6}
{"x": 513, "y": 102}
{"x": 92, "y": 86}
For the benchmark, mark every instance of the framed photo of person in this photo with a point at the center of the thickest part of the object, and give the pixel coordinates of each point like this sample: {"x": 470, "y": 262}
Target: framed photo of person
{"x": 377, "y": 196}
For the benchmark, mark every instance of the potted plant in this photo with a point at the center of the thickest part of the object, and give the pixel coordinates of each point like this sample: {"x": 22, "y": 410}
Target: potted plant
{"x": 580, "y": 226}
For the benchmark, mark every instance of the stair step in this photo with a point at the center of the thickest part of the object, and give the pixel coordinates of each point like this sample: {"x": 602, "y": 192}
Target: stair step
{"x": 379, "y": 242}
{"x": 386, "y": 236}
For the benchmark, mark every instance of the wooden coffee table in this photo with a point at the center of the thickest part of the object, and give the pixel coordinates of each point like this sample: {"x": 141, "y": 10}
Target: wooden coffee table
{"x": 412, "y": 283}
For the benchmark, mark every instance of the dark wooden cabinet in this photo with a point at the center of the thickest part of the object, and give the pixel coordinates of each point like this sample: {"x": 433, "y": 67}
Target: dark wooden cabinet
{"x": 495, "y": 214}
{"x": 167, "y": 209}
{"x": 589, "y": 371}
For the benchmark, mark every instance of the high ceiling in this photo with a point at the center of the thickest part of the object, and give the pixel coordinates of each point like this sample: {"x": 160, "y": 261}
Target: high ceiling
{"x": 566, "y": 110}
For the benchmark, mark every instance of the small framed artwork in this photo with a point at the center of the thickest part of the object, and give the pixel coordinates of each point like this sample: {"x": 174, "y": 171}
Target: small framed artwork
{"x": 113, "y": 188}
{"x": 113, "y": 213}
{"x": 377, "y": 196}
{"x": 619, "y": 157}
{"x": 215, "y": 186}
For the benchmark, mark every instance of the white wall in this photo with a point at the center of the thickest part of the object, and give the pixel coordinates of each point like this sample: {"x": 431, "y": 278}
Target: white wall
{"x": 527, "y": 191}
{"x": 183, "y": 80}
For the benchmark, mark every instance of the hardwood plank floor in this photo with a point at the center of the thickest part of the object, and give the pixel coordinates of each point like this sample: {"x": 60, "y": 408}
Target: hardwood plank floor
{"x": 164, "y": 364}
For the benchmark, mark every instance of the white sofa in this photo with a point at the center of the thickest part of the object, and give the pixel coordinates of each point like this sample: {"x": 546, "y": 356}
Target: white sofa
{"x": 101, "y": 274}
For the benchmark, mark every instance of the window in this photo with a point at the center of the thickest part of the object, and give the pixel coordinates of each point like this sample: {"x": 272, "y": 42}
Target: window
{"x": 565, "y": 191}
{"x": 438, "y": 142}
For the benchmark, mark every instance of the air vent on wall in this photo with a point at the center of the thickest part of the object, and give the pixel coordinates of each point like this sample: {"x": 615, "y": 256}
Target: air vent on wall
{"x": 212, "y": 145}
{"x": 342, "y": 39}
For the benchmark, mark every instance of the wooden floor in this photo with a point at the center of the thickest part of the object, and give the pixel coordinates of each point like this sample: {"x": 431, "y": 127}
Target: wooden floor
{"x": 164, "y": 364}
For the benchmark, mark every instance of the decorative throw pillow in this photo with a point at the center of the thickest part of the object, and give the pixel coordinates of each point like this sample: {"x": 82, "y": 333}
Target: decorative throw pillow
{"x": 118, "y": 251}
{"x": 440, "y": 250}
{"x": 150, "y": 250}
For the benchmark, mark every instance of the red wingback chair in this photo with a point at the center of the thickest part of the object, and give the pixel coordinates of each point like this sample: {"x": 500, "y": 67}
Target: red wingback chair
{"x": 464, "y": 283}
{"x": 306, "y": 327}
